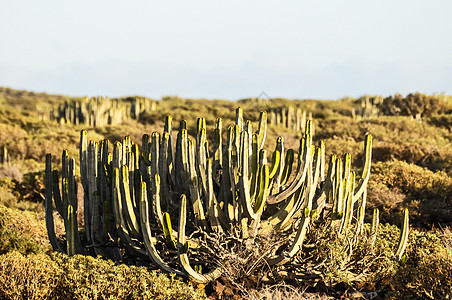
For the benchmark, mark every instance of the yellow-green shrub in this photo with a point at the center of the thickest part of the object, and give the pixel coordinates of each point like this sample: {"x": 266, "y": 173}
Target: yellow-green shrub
{"x": 428, "y": 271}
{"x": 428, "y": 195}
{"x": 22, "y": 231}
{"x": 39, "y": 276}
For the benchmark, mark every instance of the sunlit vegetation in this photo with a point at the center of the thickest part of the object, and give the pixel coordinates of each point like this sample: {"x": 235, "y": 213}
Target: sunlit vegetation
{"x": 411, "y": 168}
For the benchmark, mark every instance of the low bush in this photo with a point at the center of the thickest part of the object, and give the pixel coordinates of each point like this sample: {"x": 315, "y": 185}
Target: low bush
{"x": 413, "y": 104}
{"x": 368, "y": 262}
{"x": 395, "y": 185}
{"x": 22, "y": 231}
{"x": 10, "y": 194}
{"x": 39, "y": 276}
{"x": 427, "y": 273}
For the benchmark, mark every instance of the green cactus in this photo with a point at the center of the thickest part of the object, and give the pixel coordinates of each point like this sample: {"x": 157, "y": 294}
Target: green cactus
{"x": 403, "y": 240}
{"x": 132, "y": 195}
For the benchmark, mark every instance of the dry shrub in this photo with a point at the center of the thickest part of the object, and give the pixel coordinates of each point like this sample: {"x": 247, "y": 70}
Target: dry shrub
{"x": 39, "y": 276}
{"x": 414, "y": 104}
{"x": 428, "y": 195}
{"x": 22, "y": 231}
{"x": 428, "y": 271}
{"x": 388, "y": 200}
{"x": 282, "y": 292}
{"x": 430, "y": 156}
{"x": 10, "y": 171}
{"x": 351, "y": 258}
{"x": 27, "y": 277}
{"x": 444, "y": 120}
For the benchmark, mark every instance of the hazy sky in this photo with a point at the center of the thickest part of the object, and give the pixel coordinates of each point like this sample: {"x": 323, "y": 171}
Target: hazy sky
{"x": 231, "y": 49}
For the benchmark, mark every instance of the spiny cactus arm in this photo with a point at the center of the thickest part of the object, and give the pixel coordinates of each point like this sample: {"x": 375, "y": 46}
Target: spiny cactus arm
{"x": 239, "y": 118}
{"x": 227, "y": 197}
{"x": 244, "y": 188}
{"x": 145, "y": 143}
{"x": 217, "y": 149}
{"x": 200, "y": 140}
{"x": 254, "y": 163}
{"x": 198, "y": 207}
{"x": 317, "y": 167}
{"x": 170, "y": 160}
{"x": 149, "y": 241}
{"x": 374, "y": 228}
{"x": 48, "y": 205}
{"x": 200, "y": 160}
{"x": 97, "y": 233}
{"x": 282, "y": 217}
{"x": 310, "y": 189}
{"x": 73, "y": 201}
{"x": 327, "y": 186}
{"x": 322, "y": 160}
{"x": 168, "y": 231}
{"x": 276, "y": 156}
{"x": 264, "y": 181}
{"x": 147, "y": 158}
{"x": 155, "y": 145}
{"x": 249, "y": 130}
{"x": 284, "y": 220}
{"x": 262, "y": 129}
{"x": 299, "y": 238}
{"x": 136, "y": 157}
{"x": 365, "y": 173}
{"x": 213, "y": 207}
{"x": 156, "y": 207}
{"x": 359, "y": 216}
{"x": 348, "y": 199}
{"x": 65, "y": 197}
{"x": 404, "y": 233}
{"x": 286, "y": 211}
{"x": 287, "y": 166}
{"x": 91, "y": 188}
{"x": 277, "y": 178}
{"x": 347, "y": 166}
{"x": 70, "y": 219}
{"x": 182, "y": 250}
{"x": 164, "y": 170}
{"x": 119, "y": 216}
{"x": 305, "y": 152}
{"x": 231, "y": 172}
{"x": 128, "y": 212}
{"x": 375, "y": 221}
{"x": 56, "y": 192}
{"x": 65, "y": 164}
{"x": 70, "y": 231}
{"x": 246, "y": 199}
{"x": 337, "y": 192}
{"x": 362, "y": 204}
{"x": 185, "y": 170}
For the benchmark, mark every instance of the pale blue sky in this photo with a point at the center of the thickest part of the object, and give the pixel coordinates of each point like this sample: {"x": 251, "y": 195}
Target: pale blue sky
{"x": 227, "y": 49}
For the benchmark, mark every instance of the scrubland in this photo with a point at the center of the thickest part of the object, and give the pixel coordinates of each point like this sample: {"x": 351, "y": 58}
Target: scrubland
{"x": 411, "y": 168}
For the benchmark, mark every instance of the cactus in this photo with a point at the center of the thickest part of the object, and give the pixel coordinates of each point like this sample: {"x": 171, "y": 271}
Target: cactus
{"x": 367, "y": 108}
{"x": 132, "y": 196}
{"x": 403, "y": 236}
{"x": 101, "y": 111}
{"x": 4, "y": 158}
{"x": 289, "y": 117}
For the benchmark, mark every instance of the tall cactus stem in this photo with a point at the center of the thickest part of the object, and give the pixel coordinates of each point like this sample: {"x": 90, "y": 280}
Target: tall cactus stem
{"x": 404, "y": 233}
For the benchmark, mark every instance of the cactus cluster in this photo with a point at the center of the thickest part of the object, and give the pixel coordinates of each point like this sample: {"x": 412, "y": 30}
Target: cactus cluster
{"x": 368, "y": 108}
{"x": 4, "y": 158}
{"x": 133, "y": 196}
{"x": 101, "y": 111}
{"x": 289, "y": 117}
